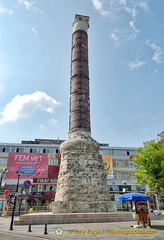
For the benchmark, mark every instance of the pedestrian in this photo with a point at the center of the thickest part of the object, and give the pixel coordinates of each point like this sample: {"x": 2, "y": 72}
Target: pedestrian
{"x": 5, "y": 209}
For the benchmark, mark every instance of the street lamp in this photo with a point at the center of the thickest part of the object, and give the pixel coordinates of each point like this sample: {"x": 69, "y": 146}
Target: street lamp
{"x": 124, "y": 186}
{"x": 4, "y": 171}
{"x": 15, "y": 200}
{"x": 124, "y": 189}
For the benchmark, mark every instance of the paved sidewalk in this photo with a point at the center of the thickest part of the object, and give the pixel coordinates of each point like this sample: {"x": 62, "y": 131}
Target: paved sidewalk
{"x": 88, "y": 231}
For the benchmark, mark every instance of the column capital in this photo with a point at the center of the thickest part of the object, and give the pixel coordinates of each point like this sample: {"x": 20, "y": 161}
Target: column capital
{"x": 80, "y": 23}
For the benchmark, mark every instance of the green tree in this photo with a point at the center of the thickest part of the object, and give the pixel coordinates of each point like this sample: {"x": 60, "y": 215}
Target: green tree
{"x": 161, "y": 137}
{"x": 150, "y": 165}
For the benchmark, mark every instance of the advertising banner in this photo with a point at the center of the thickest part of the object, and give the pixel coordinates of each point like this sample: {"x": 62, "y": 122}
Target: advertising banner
{"x": 44, "y": 180}
{"x": 33, "y": 165}
{"x": 53, "y": 171}
{"x": 108, "y": 166}
{"x": 42, "y": 194}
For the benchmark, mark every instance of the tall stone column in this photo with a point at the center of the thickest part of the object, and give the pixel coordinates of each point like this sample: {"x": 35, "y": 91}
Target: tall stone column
{"x": 82, "y": 184}
{"x": 79, "y": 89}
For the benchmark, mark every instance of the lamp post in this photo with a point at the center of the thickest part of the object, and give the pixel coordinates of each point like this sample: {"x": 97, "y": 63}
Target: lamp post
{"x": 124, "y": 191}
{"x": 124, "y": 186}
{"x": 15, "y": 200}
{"x": 4, "y": 171}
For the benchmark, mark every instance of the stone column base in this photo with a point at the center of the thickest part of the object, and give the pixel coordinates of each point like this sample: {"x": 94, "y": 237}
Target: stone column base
{"x": 83, "y": 207}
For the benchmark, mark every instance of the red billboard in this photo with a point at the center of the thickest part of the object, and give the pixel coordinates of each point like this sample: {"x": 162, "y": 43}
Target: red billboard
{"x": 32, "y": 165}
{"x": 53, "y": 171}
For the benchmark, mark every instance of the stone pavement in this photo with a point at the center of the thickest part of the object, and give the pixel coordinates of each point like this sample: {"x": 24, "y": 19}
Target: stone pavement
{"x": 88, "y": 231}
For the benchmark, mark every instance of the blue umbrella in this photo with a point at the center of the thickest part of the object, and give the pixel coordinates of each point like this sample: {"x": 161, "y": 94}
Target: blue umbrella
{"x": 133, "y": 197}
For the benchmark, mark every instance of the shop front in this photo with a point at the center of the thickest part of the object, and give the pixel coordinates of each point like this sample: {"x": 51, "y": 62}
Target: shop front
{"x": 41, "y": 201}
{"x": 42, "y": 194}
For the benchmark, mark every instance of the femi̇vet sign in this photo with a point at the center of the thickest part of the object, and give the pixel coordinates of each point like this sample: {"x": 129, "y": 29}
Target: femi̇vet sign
{"x": 33, "y": 165}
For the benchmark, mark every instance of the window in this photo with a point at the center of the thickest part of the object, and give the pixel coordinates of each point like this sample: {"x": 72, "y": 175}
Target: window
{"x": 3, "y": 149}
{"x": 105, "y": 152}
{"x": 132, "y": 153}
{"x": 44, "y": 150}
{"x": 21, "y": 149}
{"x": 13, "y": 149}
{"x": 119, "y": 152}
{"x": 118, "y": 175}
{"x": 53, "y": 161}
{"x": 117, "y": 163}
{"x": 53, "y": 150}
{"x": 138, "y": 188}
{"x": 122, "y": 152}
{"x": 130, "y": 175}
{"x": 129, "y": 163}
{"x": 8, "y": 149}
{"x": 39, "y": 150}
{"x": 48, "y": 150}
{"x": 26, "y": 149}
{"x": 3, "y": 161}
{"x": 35, "y": 150}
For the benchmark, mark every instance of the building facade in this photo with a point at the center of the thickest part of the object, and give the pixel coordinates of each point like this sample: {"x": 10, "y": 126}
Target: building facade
{"x": 39, "y": 162}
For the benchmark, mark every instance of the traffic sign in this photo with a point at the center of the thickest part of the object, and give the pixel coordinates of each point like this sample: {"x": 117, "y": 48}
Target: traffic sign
{"x": 58, "y": 156}
{"x": 132, "y": 158}
{"x": 7, "y": 192}
{"x": 27, "y": 184}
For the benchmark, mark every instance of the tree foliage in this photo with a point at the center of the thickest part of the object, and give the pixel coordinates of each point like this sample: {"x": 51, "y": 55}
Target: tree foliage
{"x": 150, "y": 165}
{"x": 161, "y": 137}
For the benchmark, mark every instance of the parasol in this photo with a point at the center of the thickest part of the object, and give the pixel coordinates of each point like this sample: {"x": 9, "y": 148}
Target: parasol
{"x": 133, "y": 197}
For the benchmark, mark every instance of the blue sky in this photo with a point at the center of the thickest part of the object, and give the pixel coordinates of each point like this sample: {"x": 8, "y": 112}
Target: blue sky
{"x": 126, "y": 65}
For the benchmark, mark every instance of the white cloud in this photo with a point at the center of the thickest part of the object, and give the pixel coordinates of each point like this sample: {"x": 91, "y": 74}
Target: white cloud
{"x": 120, "y": 11}
{"x": 115, "y": 36}
{"x": 135, "y": 30}
{"x": 112, "y": 8}
{"x": 123, "y": 2}
{"x": 36, "y": 10}
{"x": 6, "y": 11}
{"x": 158, "y": 55}
{"x": 131, "y": 11}
{"x": 143, "y": 5}
{"x": 34, "y": 31}
{"x": 133, "y": 27}
{"x": 29, "y": 5}
{"x": 97, "y": 4}
{"x": 136, "y": 64}
{"x": 24, "y": 106}
{"x": 53, "y": 122}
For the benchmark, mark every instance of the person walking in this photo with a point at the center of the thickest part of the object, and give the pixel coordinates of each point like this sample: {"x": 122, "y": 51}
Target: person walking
{"x": 5, "y": 209}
